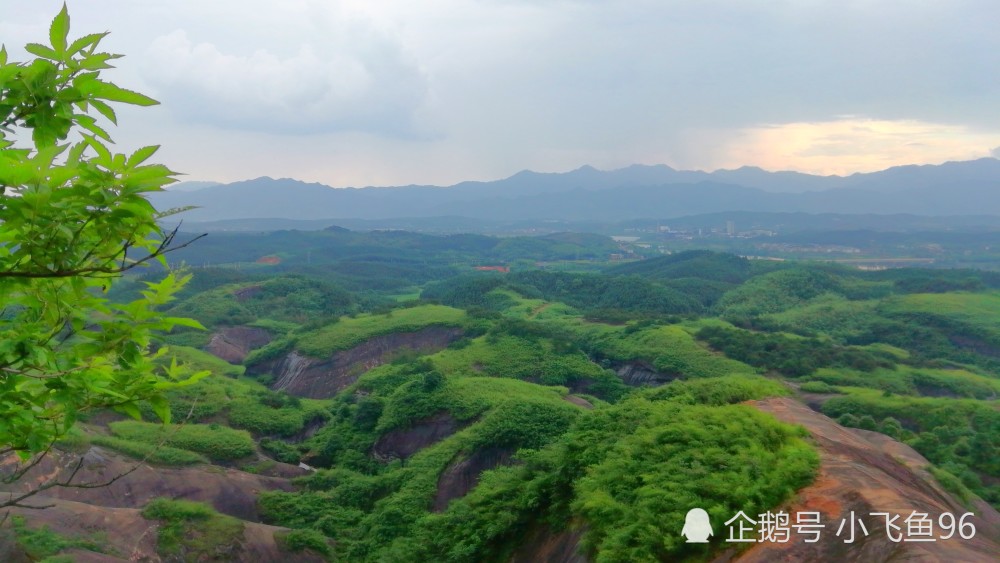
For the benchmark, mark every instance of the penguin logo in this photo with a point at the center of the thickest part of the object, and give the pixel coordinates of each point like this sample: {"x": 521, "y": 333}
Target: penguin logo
{"x": 697, "y": 528}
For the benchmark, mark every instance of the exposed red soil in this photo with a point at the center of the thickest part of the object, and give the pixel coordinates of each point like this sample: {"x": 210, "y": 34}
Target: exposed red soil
{"x": 127, "y": 536}
{"x": 320, "y": 379}
{"x": 543, "y": 544}
{"x": 868, "y": 472}
{"x": 404, "y": 442}
{"x": 230, "y": 491}
{"x": 462, "y": 475}
{"x": 235, "y": 342}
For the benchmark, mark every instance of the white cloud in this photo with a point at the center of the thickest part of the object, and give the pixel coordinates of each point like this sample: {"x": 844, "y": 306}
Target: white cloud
{"x": 362, "y": 83}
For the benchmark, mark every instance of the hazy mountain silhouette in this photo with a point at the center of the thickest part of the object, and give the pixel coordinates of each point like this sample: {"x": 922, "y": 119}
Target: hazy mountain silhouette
{"x": 954, "y": 188}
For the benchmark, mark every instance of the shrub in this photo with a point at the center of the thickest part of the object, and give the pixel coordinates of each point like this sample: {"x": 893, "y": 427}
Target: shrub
{"x": 217, "y": 442}
{"x": 302, "y": 540}
{"x": 157, "y": 455}
{"x": 192, "y": 531}
{"x": 263, "y": 420}
{"x": 818, "y": 387}
{"x": 281, "y": 451}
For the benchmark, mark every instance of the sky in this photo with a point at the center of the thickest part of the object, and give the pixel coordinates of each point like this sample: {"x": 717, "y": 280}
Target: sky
{"x": 394, "y": 92}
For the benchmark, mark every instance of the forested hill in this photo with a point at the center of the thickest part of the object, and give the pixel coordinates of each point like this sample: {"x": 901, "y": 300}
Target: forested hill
{"x": 574, "y": 407}
{"x": 961, "y": 188}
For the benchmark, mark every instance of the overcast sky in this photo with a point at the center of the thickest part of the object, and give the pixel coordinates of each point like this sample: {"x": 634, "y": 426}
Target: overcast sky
{"x": 388, "y": 92}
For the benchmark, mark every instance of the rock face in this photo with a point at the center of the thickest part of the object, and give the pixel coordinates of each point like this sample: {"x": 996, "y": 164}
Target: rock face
{"x": 234, "y": 343}
{"x": 543, "y": 544}
{"x": 868, "y": 472}
{"x": 639, "y": 373}
{"x": 404, "y": 442}
{"x": 115, "y": 510}
{"x": 229, "y": 491}
{"x": 463, "y": 474}
{"x": 130, "y": 537}
{"x": 319, "y": 379}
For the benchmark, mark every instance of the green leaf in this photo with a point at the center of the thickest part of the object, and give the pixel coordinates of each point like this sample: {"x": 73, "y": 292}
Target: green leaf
{"x": 89, "y": 124}
{"x": 129, "y": 409}
{"x": 40, "y": 50}
{"x": 113, "y": 93}
{"x": 161, "y": 408}
{"x": 103, "y": 154}
{"x": 59, "y": 30}
{"x": 84, "y": 42}
{"x": 3, "y": 54}
{"x": 181, "y": 321}
{"x": 140, "y": 156}
{"x": 105, "y": 110}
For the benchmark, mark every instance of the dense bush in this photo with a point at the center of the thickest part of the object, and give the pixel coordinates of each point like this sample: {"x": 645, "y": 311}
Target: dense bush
{"x": 191, "y": 531}
{"x": 793, "y": 357}
{"x": 250, "y": 414}
{"x": 217, "y": 442}
{"x": 281, "y": 451}
{"x": 960, "y": 435}
{"x": 152, "y": 453}
{"x": 675, "y": 457}
{"x": 303, "y": 540}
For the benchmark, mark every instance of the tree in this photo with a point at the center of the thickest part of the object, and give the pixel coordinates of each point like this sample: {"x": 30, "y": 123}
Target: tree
{"x": 73, "y": 219}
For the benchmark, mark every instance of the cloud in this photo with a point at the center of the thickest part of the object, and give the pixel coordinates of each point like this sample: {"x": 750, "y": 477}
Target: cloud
{"x": 853, "y": 144}
{"x": 362, "y": 82}
{"x": 995, "y": 153}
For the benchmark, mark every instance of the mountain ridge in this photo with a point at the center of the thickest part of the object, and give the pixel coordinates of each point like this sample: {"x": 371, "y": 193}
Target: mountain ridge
{"x": 952, "y": 188}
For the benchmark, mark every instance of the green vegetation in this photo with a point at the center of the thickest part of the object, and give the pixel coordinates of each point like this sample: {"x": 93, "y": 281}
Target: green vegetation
{"x": 73, "y": 218}
{"x": 523, "y": 425}
{"x": 42, "y": 544}
{"x": 304, "y": 540}
{"x": 217, "y": 442}
{"x": 520, "y": 427}
{"x": 153, "y": 453}
{"x": 349, "y": 332}
{"x": 650, "y": 468}
{"x": 191, "y": 531}
{"x": 791, "y": 356}
{"x": 670, "y": 349}
{"x": 960, "y": 436}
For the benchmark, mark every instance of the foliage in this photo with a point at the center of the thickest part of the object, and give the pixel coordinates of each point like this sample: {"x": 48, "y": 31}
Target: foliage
{"x": 281, "y": 451}
{"x": 635, "y": 495}
{"x": 589, "y": 292}
{"x": 154, "y": 454}
{"x": 304, "y": 540}
{"x": 217, "y": 442}
{"x": 42, "y": 543}
{"x": 717, "y": 391}
{"x": 670, "y": 349}
{"x": 73, "y": 217}
{"x": 265, "y": 421}
{"x": 703, "y": 265}
{"x": 959, "y": 435}
{"x": 793, "y": 357}
{"x": 287, "y": 299}
{"x": 776, "y": 292}
{"x": 193, "y": 531}
{"x": 350, "y": 332}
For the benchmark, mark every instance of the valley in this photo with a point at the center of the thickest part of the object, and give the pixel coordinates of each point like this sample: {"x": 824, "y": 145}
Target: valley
{"x": 374, "y": 396}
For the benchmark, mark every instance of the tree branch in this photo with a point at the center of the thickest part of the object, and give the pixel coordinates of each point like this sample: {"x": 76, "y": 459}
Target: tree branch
{"x": 103, "y": 270}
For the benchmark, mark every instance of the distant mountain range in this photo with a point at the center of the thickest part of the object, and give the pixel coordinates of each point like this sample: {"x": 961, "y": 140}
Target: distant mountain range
{"x": 588, "y": 194}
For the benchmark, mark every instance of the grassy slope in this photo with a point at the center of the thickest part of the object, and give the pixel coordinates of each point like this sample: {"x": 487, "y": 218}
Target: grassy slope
{"x": 349, "y": 332}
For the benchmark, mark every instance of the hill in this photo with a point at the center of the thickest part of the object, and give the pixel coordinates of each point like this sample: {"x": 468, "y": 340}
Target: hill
{"x": 957, "y": 188}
